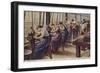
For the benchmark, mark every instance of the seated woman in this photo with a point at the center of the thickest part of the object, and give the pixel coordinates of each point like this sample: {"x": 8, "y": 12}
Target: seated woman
{"x": 41, "y": 37}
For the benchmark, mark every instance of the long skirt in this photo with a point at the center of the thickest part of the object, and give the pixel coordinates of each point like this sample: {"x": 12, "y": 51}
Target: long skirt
{"x": 55, "y": 42}
{"x": 64, "y": 36}
{"x": 40, "y": 49}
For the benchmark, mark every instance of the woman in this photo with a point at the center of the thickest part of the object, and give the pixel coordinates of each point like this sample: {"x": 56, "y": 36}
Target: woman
{"x": 55, "y": 38}
{"x": 64, "y": 34}
{"x": 41, "y": 37}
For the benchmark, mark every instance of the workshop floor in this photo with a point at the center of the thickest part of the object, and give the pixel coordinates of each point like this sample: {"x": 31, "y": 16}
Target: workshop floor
{"x": 69, "y": 53}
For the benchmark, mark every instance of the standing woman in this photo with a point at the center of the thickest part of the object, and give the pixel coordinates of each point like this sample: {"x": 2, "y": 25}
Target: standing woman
{"x": 55, "y": 37}
{"x": 64, "y": 34}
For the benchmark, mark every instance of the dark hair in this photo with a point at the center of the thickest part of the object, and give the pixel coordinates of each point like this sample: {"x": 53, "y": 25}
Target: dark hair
{"x": 31, "y": 27}
{"x": 60, "y": 23}
{"x": 40, "y": 26}
{"x": 29, "y": 34}
{"x": 83, "y": 19}
{"x": 66, "y": 19}
{"x": 82, "y": 33}
{"x": 72, "y": 19}
{"x": 52, "y": 24}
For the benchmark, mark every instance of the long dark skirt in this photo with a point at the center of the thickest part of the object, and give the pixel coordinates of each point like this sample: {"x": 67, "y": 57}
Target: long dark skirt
{"x": 40, "y": 49}
{"x": 55, "y": 42}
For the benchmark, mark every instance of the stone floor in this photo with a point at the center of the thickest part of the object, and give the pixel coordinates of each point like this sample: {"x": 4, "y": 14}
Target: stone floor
{"x": 69, "y": 53}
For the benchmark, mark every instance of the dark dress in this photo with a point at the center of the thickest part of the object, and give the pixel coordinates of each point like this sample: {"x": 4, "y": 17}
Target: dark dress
{"x": 64, "y": 35}
{"x": 55, "y": 40}
{"x": 41, "y": 47}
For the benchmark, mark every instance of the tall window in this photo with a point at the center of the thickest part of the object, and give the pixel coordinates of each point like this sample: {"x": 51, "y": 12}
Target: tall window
{"x": 57, "y": 17}
{"x": 34, "y": 19}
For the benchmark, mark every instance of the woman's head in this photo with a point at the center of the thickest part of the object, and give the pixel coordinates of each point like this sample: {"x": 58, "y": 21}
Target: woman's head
{"x": 60, "y": 23}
